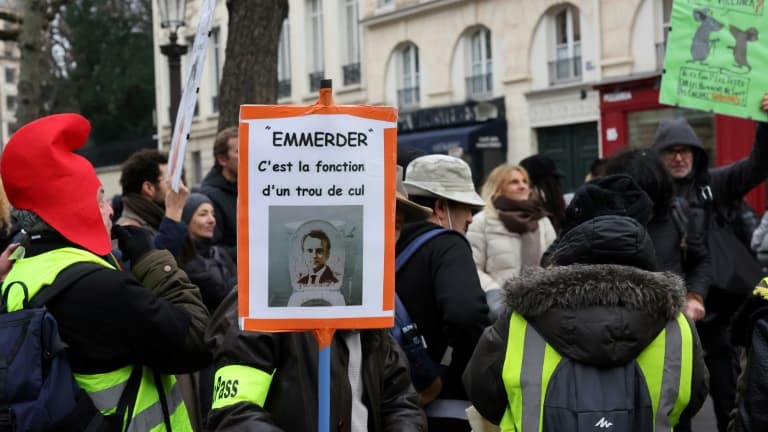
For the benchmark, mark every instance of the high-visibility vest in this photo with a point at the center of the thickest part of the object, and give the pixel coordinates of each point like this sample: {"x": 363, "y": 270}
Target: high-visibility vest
{"x": 530, "y": 362}
{"x": 106, "y": 388}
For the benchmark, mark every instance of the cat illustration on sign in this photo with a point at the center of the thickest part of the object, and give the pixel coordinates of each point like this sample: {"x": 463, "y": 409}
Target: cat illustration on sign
{"x": 742, "y": 37}
{"x": 702, "y": 45}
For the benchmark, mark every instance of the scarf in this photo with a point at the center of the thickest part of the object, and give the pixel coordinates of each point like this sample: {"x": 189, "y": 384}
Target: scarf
{"x": 149, "y": 211}
{"x": 522, "y": 217}
{"x": 519, "y": 217}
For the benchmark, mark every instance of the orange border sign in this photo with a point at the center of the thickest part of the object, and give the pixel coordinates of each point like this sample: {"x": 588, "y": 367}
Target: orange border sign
{"x": 324, "y": 106}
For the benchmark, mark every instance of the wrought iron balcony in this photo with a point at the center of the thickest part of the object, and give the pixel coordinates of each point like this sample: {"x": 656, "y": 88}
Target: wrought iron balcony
{"x": 351, "y": 73}
{"x": 565, "y": 70}
{"x": 479, "y": 86}
{"x": 284, "y": 88}
{"x": 408, "y": 97}
{"x": 314, "y": 80}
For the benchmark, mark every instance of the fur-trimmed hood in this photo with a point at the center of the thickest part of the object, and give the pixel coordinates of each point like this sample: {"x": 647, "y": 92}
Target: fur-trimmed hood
{"x": 601, "y": 314}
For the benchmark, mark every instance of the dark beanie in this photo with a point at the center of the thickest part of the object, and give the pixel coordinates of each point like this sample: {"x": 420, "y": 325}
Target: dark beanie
{"x": 616, "y": 195}
{"x": 194, "y": 201}
{"x": 539, "y": 167}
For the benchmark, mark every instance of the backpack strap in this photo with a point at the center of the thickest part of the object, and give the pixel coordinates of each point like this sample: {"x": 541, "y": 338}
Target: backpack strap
{"x": 414, "y": 245}
{"x": 402, "y": 317}
{"x": 68, "y": 277}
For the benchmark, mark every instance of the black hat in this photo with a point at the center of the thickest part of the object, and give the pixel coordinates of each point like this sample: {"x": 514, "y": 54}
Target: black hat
{"x": 617, "y": 195}
{"x": 540, "y": 167}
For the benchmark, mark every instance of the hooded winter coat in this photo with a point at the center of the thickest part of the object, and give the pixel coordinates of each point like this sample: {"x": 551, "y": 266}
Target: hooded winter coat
{"x": 291, "y": 400}
{"x": 713, "y": 195}
{"x": 594, "y": 313}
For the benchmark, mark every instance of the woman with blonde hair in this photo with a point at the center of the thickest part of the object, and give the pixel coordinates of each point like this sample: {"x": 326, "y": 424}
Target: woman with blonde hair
{"x": 510, "y": 234}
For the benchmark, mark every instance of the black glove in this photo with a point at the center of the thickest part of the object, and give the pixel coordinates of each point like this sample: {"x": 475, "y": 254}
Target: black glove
{"x": 133, "y": 241}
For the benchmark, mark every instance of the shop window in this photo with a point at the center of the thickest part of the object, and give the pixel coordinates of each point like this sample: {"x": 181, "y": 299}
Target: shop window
{"x": 408, "y": 77}
{"x": 643, "y": 125}
{"x": 479, "y": 64}
{"x": 566, "y": 65}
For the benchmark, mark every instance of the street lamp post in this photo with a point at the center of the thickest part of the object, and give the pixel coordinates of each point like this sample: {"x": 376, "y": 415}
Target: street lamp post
{"x": 172, "y": 14}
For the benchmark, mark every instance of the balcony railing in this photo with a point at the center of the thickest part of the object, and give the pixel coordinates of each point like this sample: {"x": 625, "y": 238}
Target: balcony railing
{"x": 351, "y": 73}
{"x": 479, "y": 86}
{"x": 284, "y": 88}
{"x": 408, "y": 97}
{"x": 314, "y": 80}
{"x": 661, "y": 52}
{"x": 565, "y": 70}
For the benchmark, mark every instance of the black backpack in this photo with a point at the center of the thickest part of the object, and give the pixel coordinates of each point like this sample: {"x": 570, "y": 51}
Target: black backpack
{"x": 37, "y": 389}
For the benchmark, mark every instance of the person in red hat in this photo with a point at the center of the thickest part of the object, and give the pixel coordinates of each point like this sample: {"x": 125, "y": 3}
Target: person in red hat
{"x": 116, "y": 325}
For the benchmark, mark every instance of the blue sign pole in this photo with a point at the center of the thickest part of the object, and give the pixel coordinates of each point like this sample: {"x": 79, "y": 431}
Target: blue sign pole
{"x": 324, "y": 390}
{"x": 324, "y": 338}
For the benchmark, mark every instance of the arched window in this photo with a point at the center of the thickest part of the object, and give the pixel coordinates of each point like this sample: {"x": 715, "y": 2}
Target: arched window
{"x": 408, "y": 77}
{"x": 479, "y": 63}
{"x": 567, "y": 35}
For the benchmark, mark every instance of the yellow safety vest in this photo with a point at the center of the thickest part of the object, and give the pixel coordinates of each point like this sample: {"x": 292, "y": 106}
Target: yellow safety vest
{"x": 106, "y": 388}
{"x": 530, "y": 362}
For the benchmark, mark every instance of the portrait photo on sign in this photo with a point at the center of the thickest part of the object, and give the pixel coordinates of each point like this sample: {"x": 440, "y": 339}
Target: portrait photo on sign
{"x": 315, "y": 256}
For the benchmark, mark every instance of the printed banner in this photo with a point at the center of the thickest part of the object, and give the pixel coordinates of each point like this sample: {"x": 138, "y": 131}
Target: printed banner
{"x": 189, "y": 97}
{"x": 717, "y": 53}
{"x": 316, "y": 217}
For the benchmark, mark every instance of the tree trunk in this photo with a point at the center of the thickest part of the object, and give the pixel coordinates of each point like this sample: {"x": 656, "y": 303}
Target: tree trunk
{"x": 250, "y": 63}
{"x": 34, "y": 67}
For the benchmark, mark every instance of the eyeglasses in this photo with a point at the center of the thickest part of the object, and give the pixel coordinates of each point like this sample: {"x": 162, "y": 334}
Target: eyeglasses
{"x": 672, "y": 152}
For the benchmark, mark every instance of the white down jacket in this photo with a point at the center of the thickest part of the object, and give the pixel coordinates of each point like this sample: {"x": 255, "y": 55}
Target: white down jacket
{"x": 497, "y": 251}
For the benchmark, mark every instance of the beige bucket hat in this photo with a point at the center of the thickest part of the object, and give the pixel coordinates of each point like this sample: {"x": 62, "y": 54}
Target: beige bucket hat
{"x": 413, "y": 212}
{"x": 442, "y": 176}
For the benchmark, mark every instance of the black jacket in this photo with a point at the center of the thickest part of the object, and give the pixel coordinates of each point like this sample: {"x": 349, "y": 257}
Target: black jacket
{"x": 223, "y": 195}
{"x": 750, "y": 330}
{"x": 111, "y": 319}
{"x": 291, "y": 403}
{"x": 214, "y": 271}
{"x": 441, "y": 290}
{"x": 589, "y": 311}
{"x": 694, "y": 264}
{"x": 734, "y": 268}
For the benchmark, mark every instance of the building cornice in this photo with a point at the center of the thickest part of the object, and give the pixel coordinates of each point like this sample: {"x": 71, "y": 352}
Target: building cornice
{"x": 407, "y": 11}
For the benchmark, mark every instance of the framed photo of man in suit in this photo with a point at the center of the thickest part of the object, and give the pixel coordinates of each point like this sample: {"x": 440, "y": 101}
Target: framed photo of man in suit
{"x": 316, "y": 265}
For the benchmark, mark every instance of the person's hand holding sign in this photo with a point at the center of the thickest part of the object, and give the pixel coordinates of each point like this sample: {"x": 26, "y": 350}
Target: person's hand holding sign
{"x": 174, "y": 201}
{"x": 764, "y": 104}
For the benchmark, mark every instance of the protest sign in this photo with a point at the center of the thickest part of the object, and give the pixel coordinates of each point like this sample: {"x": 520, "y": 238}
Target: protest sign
{"x": 316, "y": 202}
{"x": 715, "y": 57}
{"x": 186, "y": 111}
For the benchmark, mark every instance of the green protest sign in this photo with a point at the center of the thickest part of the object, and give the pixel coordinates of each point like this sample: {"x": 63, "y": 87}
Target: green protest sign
{"x": 717, "y": 57}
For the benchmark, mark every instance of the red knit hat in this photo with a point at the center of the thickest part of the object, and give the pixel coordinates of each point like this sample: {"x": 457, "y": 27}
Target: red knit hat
{"x": 42, "y": 174}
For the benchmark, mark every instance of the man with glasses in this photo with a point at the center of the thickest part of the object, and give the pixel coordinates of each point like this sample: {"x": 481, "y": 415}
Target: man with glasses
{"x": 712, "y": 195}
